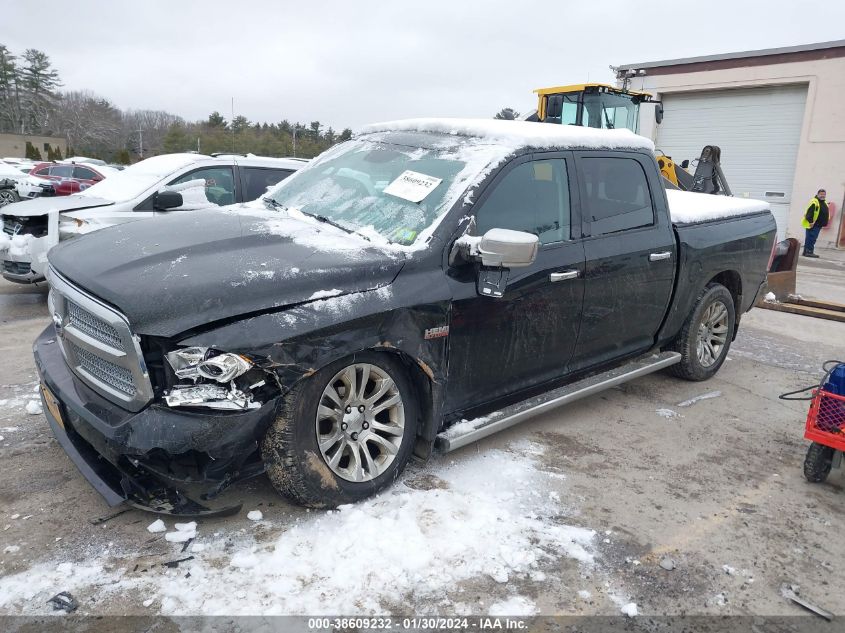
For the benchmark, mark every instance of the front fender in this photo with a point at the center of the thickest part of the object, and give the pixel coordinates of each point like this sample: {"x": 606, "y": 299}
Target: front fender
{"x": 303, "y": 339}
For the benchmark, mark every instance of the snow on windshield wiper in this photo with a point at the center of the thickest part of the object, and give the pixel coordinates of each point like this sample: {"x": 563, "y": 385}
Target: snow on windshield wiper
{"x": 325, "y": 220}
{"x": 275, "y": 204}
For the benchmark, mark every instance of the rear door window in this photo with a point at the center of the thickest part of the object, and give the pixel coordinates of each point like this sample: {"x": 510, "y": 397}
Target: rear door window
{"x": 83, "y": 173}
{"x": 62, "y": 171}
{"x": 255, "y": 180}
{"x": 616, "y": 194}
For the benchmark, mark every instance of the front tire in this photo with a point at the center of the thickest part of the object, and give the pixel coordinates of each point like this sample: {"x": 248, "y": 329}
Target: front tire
{"x": 705, "y": 338}
{"x": 343, "y": 434}
{"x": 8, "y": 196}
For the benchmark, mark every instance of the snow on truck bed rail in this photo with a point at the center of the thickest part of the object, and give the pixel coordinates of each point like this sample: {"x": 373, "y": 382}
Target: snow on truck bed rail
{"x": 687, "y": 207}
{"x": 519, "y": 133}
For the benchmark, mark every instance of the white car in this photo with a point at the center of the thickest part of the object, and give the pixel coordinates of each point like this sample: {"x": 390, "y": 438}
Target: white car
{"x": 162, "y": 184}
{"x": 10, "y": 178}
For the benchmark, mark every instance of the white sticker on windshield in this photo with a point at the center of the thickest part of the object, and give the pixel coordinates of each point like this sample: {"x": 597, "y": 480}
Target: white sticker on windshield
{"x": 412, "y": 186}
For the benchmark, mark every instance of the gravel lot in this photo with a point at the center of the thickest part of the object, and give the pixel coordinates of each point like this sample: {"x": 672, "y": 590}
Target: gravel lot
{"x": 570, "y": 513}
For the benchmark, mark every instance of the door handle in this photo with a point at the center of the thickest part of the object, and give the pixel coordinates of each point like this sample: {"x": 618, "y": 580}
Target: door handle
{"x": 567, "y": 274}
{"x": 659, "y": 257}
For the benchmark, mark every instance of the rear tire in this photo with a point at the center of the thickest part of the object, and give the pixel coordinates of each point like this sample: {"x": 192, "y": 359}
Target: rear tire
{"x": 705, "y": 338}
{"x": 818, "y": 463}
{"x": 344, "y": 433}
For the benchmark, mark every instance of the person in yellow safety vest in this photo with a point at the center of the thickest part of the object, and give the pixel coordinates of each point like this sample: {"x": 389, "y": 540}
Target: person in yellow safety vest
{"x": 814, "y": 220}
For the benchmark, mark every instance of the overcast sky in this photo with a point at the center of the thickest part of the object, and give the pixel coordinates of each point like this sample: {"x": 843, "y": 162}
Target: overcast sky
{"x": 350, "y": 63}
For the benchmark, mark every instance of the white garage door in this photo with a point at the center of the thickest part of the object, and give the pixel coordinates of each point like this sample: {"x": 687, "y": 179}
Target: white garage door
{"x": 758, "y": 130}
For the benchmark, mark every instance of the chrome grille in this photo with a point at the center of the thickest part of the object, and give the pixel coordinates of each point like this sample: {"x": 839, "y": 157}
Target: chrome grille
{"x": 98, "y": 344}
{"x": 96, "y": 328}
{"x": 105, "y": 371}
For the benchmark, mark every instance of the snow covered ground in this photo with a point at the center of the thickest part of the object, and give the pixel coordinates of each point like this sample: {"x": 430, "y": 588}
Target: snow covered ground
{"x": 493, "y": 517}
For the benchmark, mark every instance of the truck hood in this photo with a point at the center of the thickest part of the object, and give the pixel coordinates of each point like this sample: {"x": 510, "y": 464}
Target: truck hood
{"x": 42, "y": 206}
{"x": 193, "y": 268}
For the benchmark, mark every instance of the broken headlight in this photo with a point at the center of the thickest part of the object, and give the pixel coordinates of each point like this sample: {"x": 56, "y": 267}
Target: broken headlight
{"x": 213, "y": 375}
{"x": 196, "y": 362}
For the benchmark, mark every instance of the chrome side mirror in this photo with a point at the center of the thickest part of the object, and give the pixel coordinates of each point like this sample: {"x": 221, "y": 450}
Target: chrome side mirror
{"x": 504, "y": 248}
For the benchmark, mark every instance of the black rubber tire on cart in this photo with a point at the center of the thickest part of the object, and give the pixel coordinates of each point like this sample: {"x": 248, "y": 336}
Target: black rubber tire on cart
{"x": 298, "y": 448}
{"x": 818, "y": 462}
{"x": 713, "y": 318}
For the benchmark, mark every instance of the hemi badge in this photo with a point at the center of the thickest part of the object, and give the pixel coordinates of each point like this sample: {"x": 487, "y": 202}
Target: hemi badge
{"x": 437, "y": 332}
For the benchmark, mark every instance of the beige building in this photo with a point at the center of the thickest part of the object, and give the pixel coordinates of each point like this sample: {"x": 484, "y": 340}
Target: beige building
{"x": 778, "y": 115}
{"x": 14, "y": 145}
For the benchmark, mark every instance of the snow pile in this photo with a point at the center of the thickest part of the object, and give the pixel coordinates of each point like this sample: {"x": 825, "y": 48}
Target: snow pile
{"x": 520, "y": 133}
{"x": 770, "y": 297}
{"x": 184, "y": 532}
{"x": 254, "y": 515}
{"x": 630, "y": 609}
{"x": 518, "y": 606}
{"x": 157, "y": 526}
{"x": 17, "y": 246}
{"x": 33, "y": 407}
{"x": 687, "y": 207}
{"x": 498, "y": 524}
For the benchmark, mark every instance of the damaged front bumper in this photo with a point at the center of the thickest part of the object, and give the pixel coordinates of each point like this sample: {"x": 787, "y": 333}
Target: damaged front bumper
{"x": 164, "y": 460}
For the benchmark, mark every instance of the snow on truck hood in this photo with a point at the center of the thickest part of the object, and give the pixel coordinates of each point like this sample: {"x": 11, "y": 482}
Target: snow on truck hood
{"x": 687, "y": 207}
{"x": 519, "y": 134}
{"x": 202, "y": 267}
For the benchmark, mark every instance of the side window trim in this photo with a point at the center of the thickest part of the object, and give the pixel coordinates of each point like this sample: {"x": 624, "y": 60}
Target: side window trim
{"x": 586, "y": 224}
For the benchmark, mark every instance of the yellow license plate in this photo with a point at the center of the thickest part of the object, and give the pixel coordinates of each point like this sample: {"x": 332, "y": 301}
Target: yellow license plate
{"x": 52, "y": 405}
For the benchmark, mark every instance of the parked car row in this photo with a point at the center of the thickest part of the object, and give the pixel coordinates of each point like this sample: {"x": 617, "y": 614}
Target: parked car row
{"x": 147, "y": 189}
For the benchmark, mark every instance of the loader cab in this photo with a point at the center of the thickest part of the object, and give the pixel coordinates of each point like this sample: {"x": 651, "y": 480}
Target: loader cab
{"x": 593, "y": 105}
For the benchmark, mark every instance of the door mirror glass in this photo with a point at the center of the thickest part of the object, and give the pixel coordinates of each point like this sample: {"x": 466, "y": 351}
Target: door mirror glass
{"x": 658, "y": 113}
{"x": 167, "y": 200}
{"x": 504, "y": 248}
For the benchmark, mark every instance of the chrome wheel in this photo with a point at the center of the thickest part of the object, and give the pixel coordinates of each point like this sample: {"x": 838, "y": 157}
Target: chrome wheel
{"x": 712, "y": 333}
{"x": 7, "y": 196}
{"x": 360, "y": 422}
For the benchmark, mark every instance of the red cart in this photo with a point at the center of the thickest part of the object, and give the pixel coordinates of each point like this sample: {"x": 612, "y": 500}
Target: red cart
{"x": 826, "y": 430}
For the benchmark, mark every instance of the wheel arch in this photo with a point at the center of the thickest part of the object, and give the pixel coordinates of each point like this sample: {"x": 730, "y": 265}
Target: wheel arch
{"x": 731, "y": 280}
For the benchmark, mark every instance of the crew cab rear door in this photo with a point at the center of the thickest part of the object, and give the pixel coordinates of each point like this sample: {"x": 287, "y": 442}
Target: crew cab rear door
{"x": 498, "y": 346}
{"x": 630, "y": 251}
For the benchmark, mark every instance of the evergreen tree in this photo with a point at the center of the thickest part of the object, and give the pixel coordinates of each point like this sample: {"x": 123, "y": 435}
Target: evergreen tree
{"x": 315, "y": 130}
{"x": 345, "y": 135}
{"x": 216, "y": 120}
{"x": 507, "y": 114}
{"x": 37, "y": 81}
{"x": 240, "y": 123}
{"x": 176, "y": 139}
{"x": 9, "y": 103}
{"x": 58, "y": 153}
{"x": 32, "y": 152}
{"x": 122, "y": 157}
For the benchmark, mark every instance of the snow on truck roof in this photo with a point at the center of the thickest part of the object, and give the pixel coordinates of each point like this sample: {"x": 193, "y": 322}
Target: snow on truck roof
{"x": 520, "y": 133}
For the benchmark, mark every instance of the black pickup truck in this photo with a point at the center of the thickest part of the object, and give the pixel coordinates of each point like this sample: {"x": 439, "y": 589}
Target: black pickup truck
{"x": 427, "y": 283}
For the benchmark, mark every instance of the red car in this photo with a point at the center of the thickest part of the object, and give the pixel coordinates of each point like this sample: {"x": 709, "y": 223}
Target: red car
{"x": 65, "y": 178}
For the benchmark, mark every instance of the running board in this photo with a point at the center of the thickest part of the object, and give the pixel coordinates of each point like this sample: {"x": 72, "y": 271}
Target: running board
{"x": 468, "y": 431}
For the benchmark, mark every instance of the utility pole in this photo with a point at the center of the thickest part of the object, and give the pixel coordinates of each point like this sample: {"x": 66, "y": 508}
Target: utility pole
{"x": 141, "y": 142}
{"x": 294, "y": 140}
{"x": 232, "y": 125}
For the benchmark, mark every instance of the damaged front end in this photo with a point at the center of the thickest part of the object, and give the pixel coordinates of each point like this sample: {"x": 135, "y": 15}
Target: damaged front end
{"x": 200, "y": 433}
